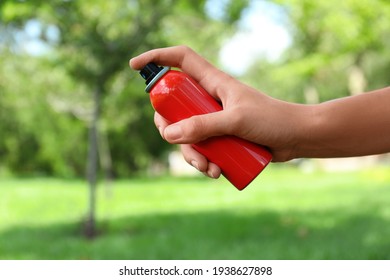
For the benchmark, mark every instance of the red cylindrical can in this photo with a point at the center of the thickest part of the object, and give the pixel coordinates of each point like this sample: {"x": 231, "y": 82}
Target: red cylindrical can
{"x": 176, "y": 96}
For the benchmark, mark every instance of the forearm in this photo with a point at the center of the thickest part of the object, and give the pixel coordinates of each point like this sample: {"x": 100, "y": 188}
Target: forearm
{"x": 351, "y": 126}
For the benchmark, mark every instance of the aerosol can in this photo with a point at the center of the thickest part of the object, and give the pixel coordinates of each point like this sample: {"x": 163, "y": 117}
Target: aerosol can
{"x": 176, "y": 96}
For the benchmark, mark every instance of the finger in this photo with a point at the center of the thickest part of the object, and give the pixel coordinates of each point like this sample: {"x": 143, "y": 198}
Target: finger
{"x": 161, "y": 123}
{"x": 209, "y": 77}
{"x": 198, "y": 128}
{"x": 179, "y": 56}
{"x": 213, "y": 171}
{"x": 194, "y": 158}
{"x": 200, "y": 162}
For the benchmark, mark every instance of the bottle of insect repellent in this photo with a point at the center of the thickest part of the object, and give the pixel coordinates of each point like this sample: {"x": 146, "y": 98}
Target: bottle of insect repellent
{"x": 176, "y": 96}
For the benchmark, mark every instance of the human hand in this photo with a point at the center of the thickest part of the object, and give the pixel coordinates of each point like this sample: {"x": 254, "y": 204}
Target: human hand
{"x": 247, "y": 113}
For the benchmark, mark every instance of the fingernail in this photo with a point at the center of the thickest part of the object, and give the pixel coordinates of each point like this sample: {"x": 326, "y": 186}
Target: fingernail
{"x": 130, "y": 63}
{"x": 195, "y": 164}
{"x": 173, "y": 132}
{"x": 211, "y": 174}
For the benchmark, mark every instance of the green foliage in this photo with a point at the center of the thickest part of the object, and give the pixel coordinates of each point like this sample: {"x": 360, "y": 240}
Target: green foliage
{"x": 330, "y": 40}
{"x": 32, "y": 132}
{"x": 47, "y": 102}
{"x": 284, "y": 214}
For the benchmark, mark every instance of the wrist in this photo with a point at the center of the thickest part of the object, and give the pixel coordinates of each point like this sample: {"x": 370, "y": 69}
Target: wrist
{"x": 305, "y": 122}
{"x": 317, "y": 136}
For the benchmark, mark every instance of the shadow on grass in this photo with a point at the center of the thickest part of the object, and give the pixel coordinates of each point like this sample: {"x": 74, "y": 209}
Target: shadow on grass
{"x": 209, "y": 235}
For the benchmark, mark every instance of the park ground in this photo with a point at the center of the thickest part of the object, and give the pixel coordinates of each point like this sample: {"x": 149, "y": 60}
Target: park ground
{"x": 284, "y": 214}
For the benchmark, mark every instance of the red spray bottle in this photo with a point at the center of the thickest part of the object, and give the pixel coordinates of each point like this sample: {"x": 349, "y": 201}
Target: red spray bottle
{"x": 176, "y": 96}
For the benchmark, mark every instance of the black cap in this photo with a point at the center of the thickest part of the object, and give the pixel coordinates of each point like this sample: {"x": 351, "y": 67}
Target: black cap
{"x": 150, "y": 71}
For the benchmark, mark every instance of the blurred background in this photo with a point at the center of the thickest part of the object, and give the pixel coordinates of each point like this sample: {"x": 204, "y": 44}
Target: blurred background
{"x": 85, "y": 174}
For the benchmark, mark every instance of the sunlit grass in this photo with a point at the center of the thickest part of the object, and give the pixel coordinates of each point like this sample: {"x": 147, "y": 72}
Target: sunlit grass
{"x": 283, "y": 214}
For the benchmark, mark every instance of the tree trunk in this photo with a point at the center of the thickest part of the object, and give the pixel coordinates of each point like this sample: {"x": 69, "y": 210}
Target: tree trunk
{"x": 357, "y": 81}
{"x": 311, "y": 94}
{"x": 92, "y": 163}
{"x": 105, "y": 159}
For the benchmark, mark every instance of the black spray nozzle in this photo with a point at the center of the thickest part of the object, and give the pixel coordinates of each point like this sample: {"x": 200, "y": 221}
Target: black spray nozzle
{"x": 150, "y": 71}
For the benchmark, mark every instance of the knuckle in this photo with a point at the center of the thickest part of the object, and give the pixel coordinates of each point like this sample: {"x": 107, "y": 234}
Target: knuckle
{"x": 185, "y": 150}
{"x": 193, "y": 158}
{"x": 184, "y": 48}
{"x": 195, "y": 128}
{"x": 184, "y": 52}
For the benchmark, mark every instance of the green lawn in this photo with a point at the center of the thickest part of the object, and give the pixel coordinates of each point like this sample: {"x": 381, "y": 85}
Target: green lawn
{"x": 283, "y": 214}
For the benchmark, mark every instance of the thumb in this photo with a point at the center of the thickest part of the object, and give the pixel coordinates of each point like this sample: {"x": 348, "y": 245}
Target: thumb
{"x": 197, "y": 128}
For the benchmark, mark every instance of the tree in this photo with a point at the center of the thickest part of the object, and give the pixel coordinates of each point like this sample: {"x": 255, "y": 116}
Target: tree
{"x": 334, "y": 46}
{"x": 93, "y": 51}
{"x": 94, "y": 41}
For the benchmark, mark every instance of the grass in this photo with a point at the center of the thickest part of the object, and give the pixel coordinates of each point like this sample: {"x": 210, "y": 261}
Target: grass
{"x": 283, "y": 214}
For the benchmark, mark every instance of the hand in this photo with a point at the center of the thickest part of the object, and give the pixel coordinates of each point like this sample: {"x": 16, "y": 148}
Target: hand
{"x": 247, "y": 113}
{"x": 350, "y": 126}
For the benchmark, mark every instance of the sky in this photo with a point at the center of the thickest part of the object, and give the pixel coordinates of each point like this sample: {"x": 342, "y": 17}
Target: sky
{"x": 32, "y": 43}
{"x": 262, "y": 33}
